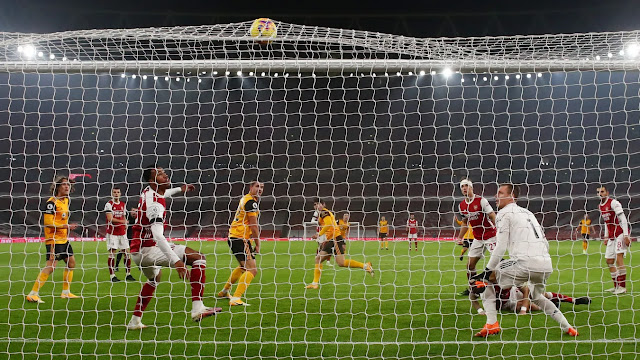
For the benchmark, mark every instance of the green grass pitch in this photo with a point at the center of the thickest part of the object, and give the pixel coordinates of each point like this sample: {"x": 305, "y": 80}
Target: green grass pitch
{"x": 409, "y": 310}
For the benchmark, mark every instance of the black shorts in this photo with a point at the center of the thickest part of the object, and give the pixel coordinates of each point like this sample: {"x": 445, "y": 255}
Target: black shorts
{"x": 585, "y": 236}
{"x": 466, "y": 243}
{"x": 382, "y": 235}
{"x": 329, "y": 246}
{"x": 241, "y": 248}
{"x": 61, "y": 251}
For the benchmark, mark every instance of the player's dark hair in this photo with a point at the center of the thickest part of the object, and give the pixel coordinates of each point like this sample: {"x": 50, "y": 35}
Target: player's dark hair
{"x": 148, "y": 170}
{"x": 57, "y": 181}
{"x": 318, "y": 201}
{"x": 116, "y": 187}
{"x": 513, "y": 189}
{"x": 251, "y": 184}
{"x": 602, "y": 186}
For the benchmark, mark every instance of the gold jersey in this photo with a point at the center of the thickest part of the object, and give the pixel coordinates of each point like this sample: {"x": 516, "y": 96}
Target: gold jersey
{"x": 469, "y": 234}
{"x": 240, "y": 226}
{"x": 329, "y": 227}
{"x": 343, "y": 226}
{"x": 584, "y": 226}
{"x": 56, "y": 214}
{"x": 384, "y": 227}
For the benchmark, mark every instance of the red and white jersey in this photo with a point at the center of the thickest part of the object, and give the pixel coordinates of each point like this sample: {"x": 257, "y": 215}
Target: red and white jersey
{"x": 151, "y": 209}
{"x": 476, "y": 212}
{"x": 413, "y": 226}
{"x": 609, "y": 210}
{"x": 119, "y": 211}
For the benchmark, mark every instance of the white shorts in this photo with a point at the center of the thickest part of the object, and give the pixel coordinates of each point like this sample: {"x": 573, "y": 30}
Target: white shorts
{"x": 478, "y": 247}
{"x": 510, "y": 275}
{"x": 413, "y": 236}
{"x": 117, "y": 242}
{"x": 615, "y": 247}
{"x": 152, "y": 259}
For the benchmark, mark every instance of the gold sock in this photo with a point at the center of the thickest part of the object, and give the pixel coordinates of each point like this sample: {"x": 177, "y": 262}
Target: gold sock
{"x": 42, "y": 278}
{"x": 381, "y": 244}
{"x": 317, "y": 271}
{"x": 235, "y": 275}
{"x": 386, "y": 244}
{"x": 67, "y": 277}
{"x": 585, "y": 245}
{"x": 243, "y": 283}
{"x": 353, "y": 264}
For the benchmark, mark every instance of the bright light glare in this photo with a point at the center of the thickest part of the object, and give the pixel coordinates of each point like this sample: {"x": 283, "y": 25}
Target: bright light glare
{"x": 166, "y": 78}
{"x": 29, "y": 51}
{"x": 433, "y": 72}
{"x": 134, "y": 76}
{"x": 517, "y": 76}
{"x": 40, "y": 54}
{"x": 539, "y": 74}
{"x": 250, "y": 73}
{"x": 633, "y": 49}
{"x": 51, "y": 56}
{"x": 155, "y": 78}
{"x": 239, "y": 73}
{"x": 447, "y": 72}
{"x": 227, "y": 73}
{"x": 422, "y": 72}
{"x": 609, "y": 55}
{"x": 528, "y": 76}
{"x": 495, "y": 77}
{"x": 484, "y": 78}
{"x": 506, "y": 77}
{"x": 215, "y": 73}
{"x": 122, "y": 75}
{"x": 144, "y": 77}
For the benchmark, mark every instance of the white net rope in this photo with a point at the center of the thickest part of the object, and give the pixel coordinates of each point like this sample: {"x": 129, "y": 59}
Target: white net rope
{"x": 375, "y": 124}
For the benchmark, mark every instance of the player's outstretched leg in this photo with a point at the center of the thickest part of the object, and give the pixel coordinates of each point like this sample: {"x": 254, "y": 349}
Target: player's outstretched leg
{"x": 350, "y": 263}
{"x": 198, "y": 278}
{"x": 551, "y": 310}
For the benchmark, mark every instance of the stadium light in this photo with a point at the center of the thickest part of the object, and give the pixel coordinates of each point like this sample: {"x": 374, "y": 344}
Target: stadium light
{"x": 539, "y": 74}
{"x": 398, "y": 73}
{"x": 633, "y": 49}
{"x": 495, "y": 77}
{"x": 433, "y": 72}
{"x": 64, "y": 58}
{"x": 40, "y": 54}
{"x": 133, "y": 76}
{"x": 123, "y": 76}
{"x": 199, "y": 80}
{"x": 410, "y": 72}
{"x": 474, "y": 78}
{"x": 155, "y": 78}
{"x": 51, "y": 56}
{"x": 227, "y": 73}
{"x": 262, "y": 73}
{"x": 517, "y": 76}
{"x": 188, "y": 79}
{"x": 506, "y": 77}
{"x": 29, "y": 51}
{"x": 276, "y": 75}
{"x": 239, "y": 73}
{"x": 609, "y": 55}
{"x": 20, "y": 48}
{"x": 528, "y": 76}
{"x": 178, "y": 78}
{"x": 422, "y": 72}
{"x": 598, "y": 57}
{"x": 462, "y": 80}
{"x": 621, "y": 52}
{"x": 484, "y": 78}
{"x": 215, "y": 73}
{"x": 250, "y": 73}
{"x": 166, "y": 78}
{"x": 447, "y": 72}
{"x": 144, "y": 77}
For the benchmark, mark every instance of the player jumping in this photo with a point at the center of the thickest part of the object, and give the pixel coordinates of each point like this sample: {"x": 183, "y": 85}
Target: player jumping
{"x": 151, "y": 250}
{"x": 117, "y": 241}
{"x": 332, "y": 242}
{"x": 616, "y": 239}
{"x": 56, "y": 232}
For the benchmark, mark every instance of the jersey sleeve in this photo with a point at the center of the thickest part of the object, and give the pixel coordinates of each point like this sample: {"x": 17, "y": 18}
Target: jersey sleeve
{"x": 251, "y": 207}
{"x": 155, "y": 212}
{"x": 108, "y": 207}
{"x": 50, "y": 207}
{"x": 616, "y": 207}
{"x": 486, "y": 207}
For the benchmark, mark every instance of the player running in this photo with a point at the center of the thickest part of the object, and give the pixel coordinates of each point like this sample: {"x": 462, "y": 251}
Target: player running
{"x": 519, "y": 232}
{"x": 331, "y": 242}
{"x": 383, "y": 232}
{"x": 151, "y": 250}
{"x": 117, "y": 241}
{"x": 467, "y": 239}
{"x": 56, "y": 232}
{"x": 586, "y": 231}
{"x": 616, "y": 239}
{"x": 244, "y": 227}
{"x": 412, "y": 230}
{"x": 478, "y": 215}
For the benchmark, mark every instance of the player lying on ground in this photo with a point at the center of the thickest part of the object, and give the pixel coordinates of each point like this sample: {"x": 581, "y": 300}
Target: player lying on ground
{"x": 518, "y": 300}
{"x": 151, "y": 250}
{"x": 519, "y": 232}
{"x": 117, "y": 241}
{"x": 245, "y": 226}
{"x": 57, "y": 246}
{"x": 616, "y": 239}
{"x": 331, "y": 242}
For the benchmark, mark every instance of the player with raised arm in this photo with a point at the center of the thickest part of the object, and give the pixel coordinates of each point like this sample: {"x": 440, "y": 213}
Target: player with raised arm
{"x": 56, "y": 239}
{"x": 383, "y": 232}
{"x": 616, "y": 239}
{"x": 151, "y": 250}
{"x": 478, "y": 215}
{"x": 412, "y": 231}
{"x": 519, "y": 233}
{"x": 586, "y": 231}
{"x": 117, "y": 241}
{"x": 467, "y": 239}
{"x": 244, "y": 228}
{"x": 331, "y": 242}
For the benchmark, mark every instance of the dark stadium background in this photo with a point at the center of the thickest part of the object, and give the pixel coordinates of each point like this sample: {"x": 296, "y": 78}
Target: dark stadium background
{"x": 392, "y": 144}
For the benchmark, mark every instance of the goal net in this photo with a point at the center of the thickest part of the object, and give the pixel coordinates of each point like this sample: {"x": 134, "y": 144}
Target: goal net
{"x": 375, "y": 124}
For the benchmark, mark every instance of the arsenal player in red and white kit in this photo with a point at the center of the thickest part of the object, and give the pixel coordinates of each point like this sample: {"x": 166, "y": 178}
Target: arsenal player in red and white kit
{"x": 412, "y": 229}
{"x": 478, "y": 214}
{"x": 117, "y": 241}
{"x": 616, "y": 239}
{"x": 151, "y": 250}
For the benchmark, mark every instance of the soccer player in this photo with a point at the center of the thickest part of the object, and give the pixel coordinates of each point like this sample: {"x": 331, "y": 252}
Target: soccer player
{"x": 517, "y": 300}
{"x": 478, "y": 215}
{"x": 332, "y": 242}
{"x": 467, "y": 239}
{"x": 131, "y": 219}
{"x": 151, "y": 250}
{"x": 519, "y": 232}
{"x": 244, "y": 228}
{"x": 343, "y": 226}
{"x": 585, "y": 230}
{"x": 412, "y": 229}
{"x": 616, "y": 239}
{"x": 56, "y": 232}
{"x": 117, "y": 242}
{"x": 383, "y": 232}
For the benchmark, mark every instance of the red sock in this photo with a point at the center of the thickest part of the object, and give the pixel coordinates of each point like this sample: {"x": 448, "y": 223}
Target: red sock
{"x": 127, "y": 262}
{"x": 111, "y": 262}
{"x": 144, "y": 298}
{"x": 622, "y": 280}
{"x": 198, "y": 277}
{"x": 562, "y": 298}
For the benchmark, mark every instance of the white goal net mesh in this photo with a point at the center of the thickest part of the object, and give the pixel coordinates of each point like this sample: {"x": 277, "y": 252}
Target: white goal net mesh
{"x": 374, "y": 124}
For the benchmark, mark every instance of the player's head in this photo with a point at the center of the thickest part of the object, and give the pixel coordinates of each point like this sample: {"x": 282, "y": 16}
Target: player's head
{"x": 345, "y": 216}
{"x": 116, "y": 193}
{"x": 603, "y": 192}
{"x": 586, "y": 216}
{"x": 466, "y": 186}
{"x": 256, "y": 188}
{"x": 383, "y": 218}
{"x": 156, "y": 176}
{"x": 134, "y": 211}
{"x": 61, "y": 186}
{"x": 318, "y": 204}
{"x": 507, "y": 194}
{"x": 412, "y": 216}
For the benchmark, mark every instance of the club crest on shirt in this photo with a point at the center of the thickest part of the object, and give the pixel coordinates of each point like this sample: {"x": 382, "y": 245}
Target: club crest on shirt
{"x": 475, "y": 207}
